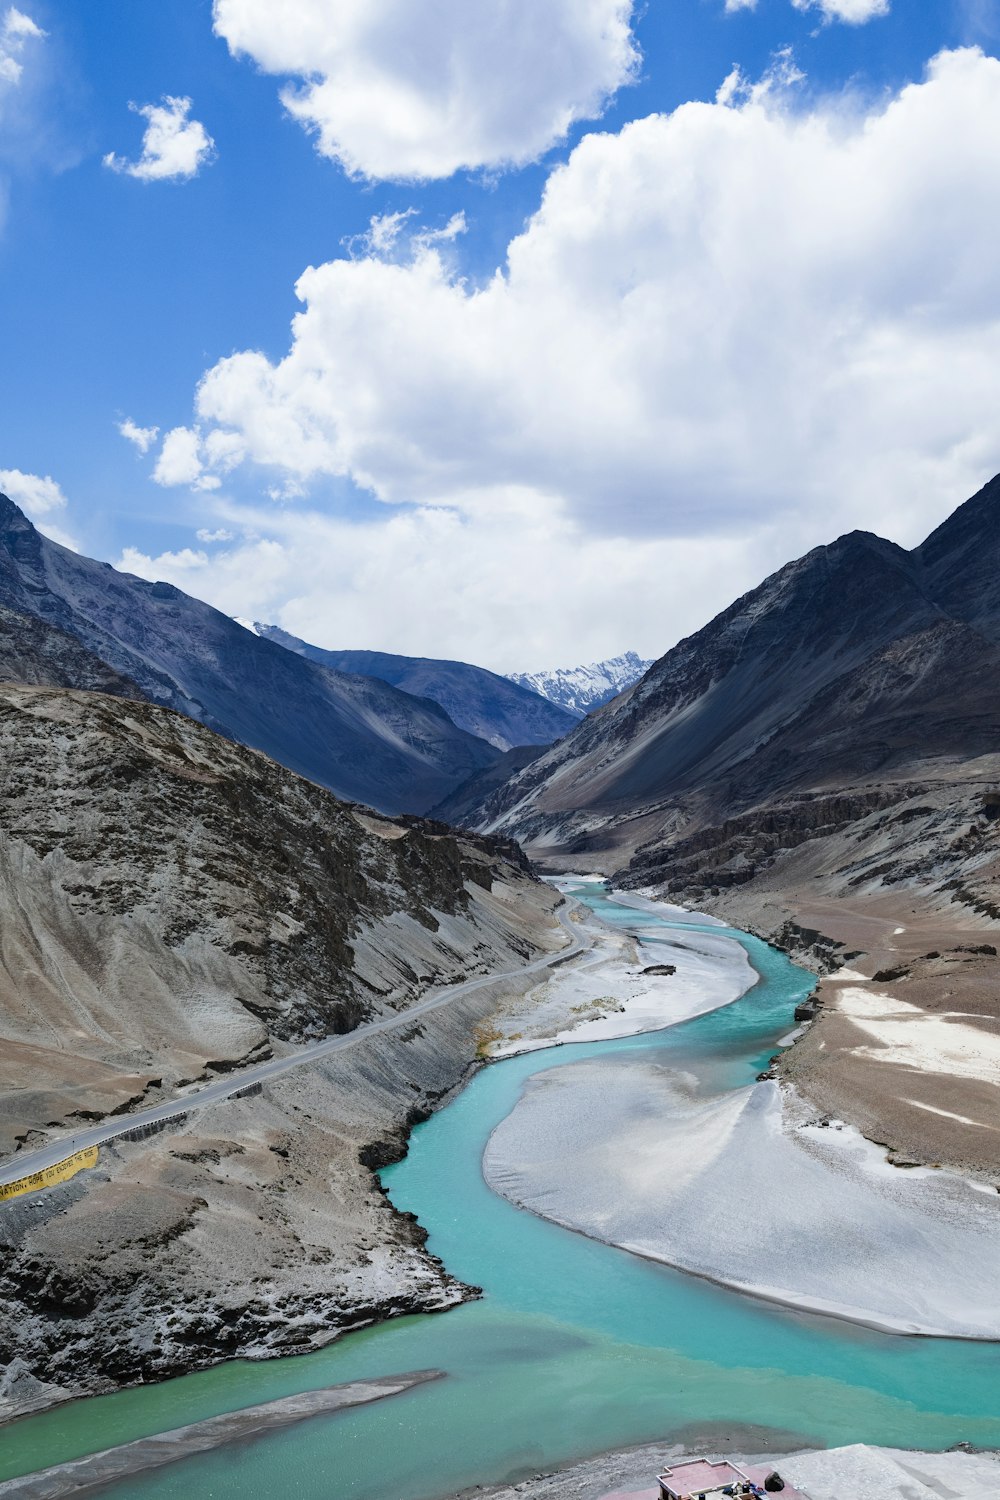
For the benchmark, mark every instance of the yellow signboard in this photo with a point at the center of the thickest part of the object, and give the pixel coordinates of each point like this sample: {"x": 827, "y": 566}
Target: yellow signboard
{"x": 60, "y": 1171}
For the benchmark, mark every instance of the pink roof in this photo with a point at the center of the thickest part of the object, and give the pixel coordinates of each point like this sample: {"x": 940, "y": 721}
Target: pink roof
{"x": 699, "y": 1474}
{"x": 691, "y": 1478}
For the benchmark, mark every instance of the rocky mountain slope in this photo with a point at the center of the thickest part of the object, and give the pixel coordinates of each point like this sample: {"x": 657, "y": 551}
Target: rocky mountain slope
{"x": 495, "y": 708}
{"x": 579, "y": 690}
{"x": 462, "y": 806}
{"x": 359, "y": 736}
{"x": 859, "y": 660}
{"x": 174, "y": 905}
{"x": 822, "y": 763}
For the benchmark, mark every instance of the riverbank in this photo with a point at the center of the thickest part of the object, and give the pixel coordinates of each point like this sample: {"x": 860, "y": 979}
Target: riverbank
{"x": 754, "y": 1188}
{"x": 631, "y": 983}
{"x": 575, "y": 1347}
{"x": 906, "y": 894}
{"x": 91, "y": 1475}
{"x": 255, "y": 1227}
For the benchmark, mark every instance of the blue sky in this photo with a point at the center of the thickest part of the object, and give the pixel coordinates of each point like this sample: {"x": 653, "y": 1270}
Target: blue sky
{"x": 118, "y": 294}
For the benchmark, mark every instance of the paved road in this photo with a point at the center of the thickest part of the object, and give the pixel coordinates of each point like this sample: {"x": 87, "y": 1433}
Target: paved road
{"x": 27, "y": 1162}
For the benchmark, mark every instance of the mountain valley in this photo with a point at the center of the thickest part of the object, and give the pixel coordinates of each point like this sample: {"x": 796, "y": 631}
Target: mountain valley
{"x": 821, "y": 764}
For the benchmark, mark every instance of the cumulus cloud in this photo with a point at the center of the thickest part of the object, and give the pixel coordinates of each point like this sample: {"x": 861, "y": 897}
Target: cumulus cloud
{"x": 189, "y": 457}
{"x": 741, "y": 310}
{"x": 174, "y": 147}
{"x": 179, "y": 564}
{"x": 142, "y": 438}
{"x": 853, "y": 12}
{"x": 396, "y": 90}
{"x": 179, "y": 461}
{"x": 33, "y": 493}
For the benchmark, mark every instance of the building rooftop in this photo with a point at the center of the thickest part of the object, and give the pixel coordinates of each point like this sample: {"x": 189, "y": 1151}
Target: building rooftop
{"x": 700, "y": 1477}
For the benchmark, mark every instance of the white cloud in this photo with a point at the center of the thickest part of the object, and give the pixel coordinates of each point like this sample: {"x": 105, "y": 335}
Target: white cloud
{"x": 734, "y": 5}
{"x": 179, "y": 564}
{"x": 853, "y": 12}
{"x": 397, "y": 90}
{"x": 502, "y": 589}
{"x": 174, "y": 147}
{"x": 36, "y": 495}
{"x": 716, "y": 317}
{"x": 392, "y": 237}
{"x": 179, "y": 461}
{"x": 220, "y": 534}
{"x": 780, "y": 77}
{"x": 187, "y": 457}
{"x": 142, "y": 437}
{"x": 16, "y": 31}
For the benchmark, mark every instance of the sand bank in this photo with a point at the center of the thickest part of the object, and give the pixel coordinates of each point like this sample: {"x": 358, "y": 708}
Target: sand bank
{"x": 607, "y": 994}
{"x": 746, "y": 1188}
{"x": 89, "y": 1476}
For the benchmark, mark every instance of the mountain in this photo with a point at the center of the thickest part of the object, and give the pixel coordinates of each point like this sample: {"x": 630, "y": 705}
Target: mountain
{"x": 492, "y": 707}
{"x": 859, "y": 660}
{"x": 35, "y": 654}
{"x": 365, "y": 740}
{"x": 579, "y": 690}
{"x": 175, "y": 906}
{"x": 460, "y": 807}
{"x": 821, "y": 765}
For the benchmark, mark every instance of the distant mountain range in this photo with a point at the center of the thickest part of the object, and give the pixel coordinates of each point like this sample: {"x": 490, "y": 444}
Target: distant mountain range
{"x": 70, "y": 621}
{"x": 495, "y": 708}
{"x": 579, "y": 690}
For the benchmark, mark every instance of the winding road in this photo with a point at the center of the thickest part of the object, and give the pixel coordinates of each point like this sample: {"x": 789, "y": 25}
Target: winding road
{"x": 27, "y": 1162}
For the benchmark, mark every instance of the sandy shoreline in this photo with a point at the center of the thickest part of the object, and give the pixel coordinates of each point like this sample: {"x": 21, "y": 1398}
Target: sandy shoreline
{"x": 91, "y": 1474}
{"x": 748, "y": 1191}
{"x": 610, "y": 994}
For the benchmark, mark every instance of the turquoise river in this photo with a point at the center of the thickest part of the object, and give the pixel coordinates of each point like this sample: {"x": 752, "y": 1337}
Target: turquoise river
{"x": 574, "y": 1348}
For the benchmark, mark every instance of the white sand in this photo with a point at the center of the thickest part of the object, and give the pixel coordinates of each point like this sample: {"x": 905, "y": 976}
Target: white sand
{"x": 912, "y": 1038}
{"x": 863, "y": 1473}
{"x": 606, "y": 994}
{"x": 735, "y": 1188}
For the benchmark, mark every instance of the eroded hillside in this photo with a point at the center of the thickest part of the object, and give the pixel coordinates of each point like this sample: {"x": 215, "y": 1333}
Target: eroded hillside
{"x": 176, "y": 905}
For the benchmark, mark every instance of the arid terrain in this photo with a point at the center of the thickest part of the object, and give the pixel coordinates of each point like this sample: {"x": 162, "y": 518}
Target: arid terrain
{"x": 177, "y": 906}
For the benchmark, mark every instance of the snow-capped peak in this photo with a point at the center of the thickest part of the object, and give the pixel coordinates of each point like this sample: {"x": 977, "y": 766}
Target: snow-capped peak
{"x": 581, "y": 689}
